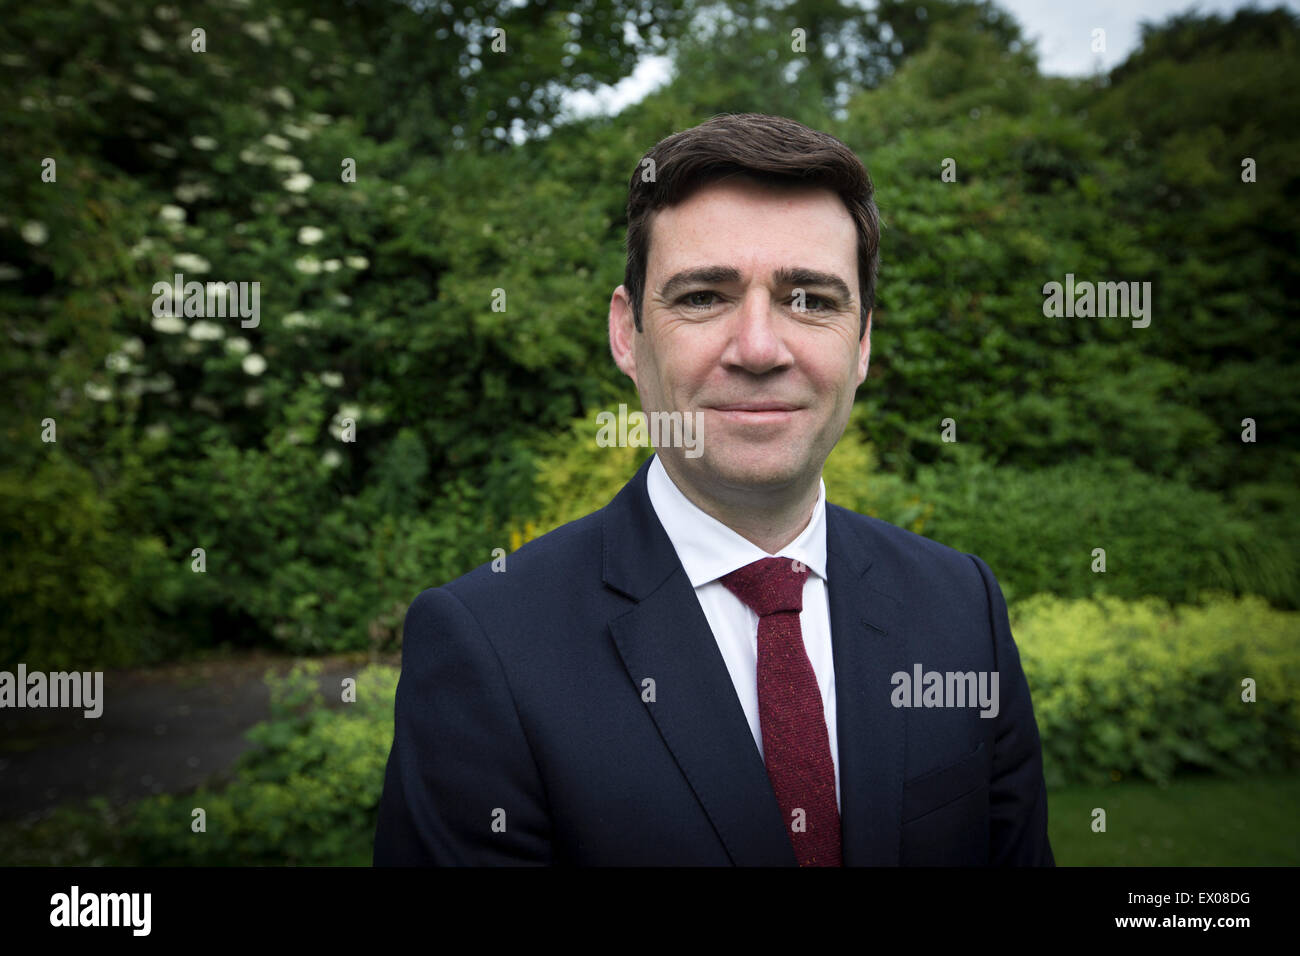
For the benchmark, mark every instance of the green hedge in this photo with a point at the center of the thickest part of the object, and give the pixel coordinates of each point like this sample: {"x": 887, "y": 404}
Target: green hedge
{"x": 1139, "y": 689}
{"x": 1037, "y": 530}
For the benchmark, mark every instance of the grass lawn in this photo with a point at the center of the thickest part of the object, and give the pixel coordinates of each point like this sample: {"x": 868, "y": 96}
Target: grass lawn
{"x": 1251, "y": 821}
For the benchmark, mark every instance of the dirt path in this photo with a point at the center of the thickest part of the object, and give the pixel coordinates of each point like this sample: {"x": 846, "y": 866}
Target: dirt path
{"x": 165, "y": 729}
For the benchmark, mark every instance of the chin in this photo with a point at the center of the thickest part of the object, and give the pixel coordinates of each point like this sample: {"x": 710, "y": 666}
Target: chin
{"x": 753, "y": 471}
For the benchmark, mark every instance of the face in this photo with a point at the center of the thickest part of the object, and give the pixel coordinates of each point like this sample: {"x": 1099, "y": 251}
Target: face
{"x": 724, "y": 335}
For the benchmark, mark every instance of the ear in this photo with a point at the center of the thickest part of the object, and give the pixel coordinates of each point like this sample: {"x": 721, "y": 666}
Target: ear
{"x": 864, "y": 351}
{"x": 622, "y": 332}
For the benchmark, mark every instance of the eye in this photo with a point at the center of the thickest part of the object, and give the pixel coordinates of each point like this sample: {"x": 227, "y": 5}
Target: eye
{"x": 689, "y": 299}
{"x": 813, "y": 303}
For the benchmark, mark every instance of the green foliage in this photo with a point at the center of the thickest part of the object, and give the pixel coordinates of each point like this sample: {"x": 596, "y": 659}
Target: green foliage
{"x": 1139, "y": 689}
{"x": 1037, "y": 530}
{"x": 306, "y": 795}
{"x": 377, "y": 297}
{"x": 1123, "y": 690}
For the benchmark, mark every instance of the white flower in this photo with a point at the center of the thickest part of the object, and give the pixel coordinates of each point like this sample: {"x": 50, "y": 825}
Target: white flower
{"x": 298, "y": 320}
{"x": 98, "y": 393}
{"x": 165, "y": 13}
{"x": 150, "y": 40}
{"x": 188, "y": 192}
{"x": 331, "y": 379}
{"x": 35, "y": 232}
{"x": 252, "y": 156}
{"x": 117, "y": 362}
{"x": 162, "y": 382}
{"x": 157, "y": 431}
{"x": 133, "y": 347}
{"x": 206, "y": 331}
{"x": 298, "y": 183}
{"x": 331, "y": 458}
{"x": 8, "y": 273}
{"x": 163, "y": 150}
{"x": 310, "y": 235}
{"x": 142, "y": 248}
{"x": 170, "y": 324}
{"x": 282, "y": 96}
{"x": 365, "y": 69}
{"x": 253, "y": 397}
{"x": 331, "y": 265}
{"x": 400, "y": 191}
{"x": 276, "y": 142}
{"x": 141, "y": 93}
{"x": 189, "y": 262}
{"x": 170, "y": 213}
{"x": 342, "y": 300}
{"x": 357, "y": 262}
{"x": 254, "y": 364}
{"x": 237, "y": 345}
{"x": 286, "y": 164}
{"x": 341, "y": 416}
{"x": 319, "y": 119}
{"x": 258, "y": 32}
{"x": 203, "y": 142}
{"x": 308, "y": 264}
{"x": 297, "y": 132}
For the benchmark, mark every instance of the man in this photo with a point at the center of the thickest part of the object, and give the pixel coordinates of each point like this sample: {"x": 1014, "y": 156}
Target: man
{"x": 717, "y": 668}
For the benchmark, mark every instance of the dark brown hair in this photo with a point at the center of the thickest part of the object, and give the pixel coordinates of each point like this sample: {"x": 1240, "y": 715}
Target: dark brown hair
{"x": 769, "y": 149}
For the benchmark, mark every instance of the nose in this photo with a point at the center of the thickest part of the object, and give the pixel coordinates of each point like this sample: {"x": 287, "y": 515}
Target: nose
{"x": 756, "y": 343}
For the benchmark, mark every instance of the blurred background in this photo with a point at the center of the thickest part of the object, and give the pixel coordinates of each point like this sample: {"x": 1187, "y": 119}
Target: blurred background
{"x": 230, "y": 518}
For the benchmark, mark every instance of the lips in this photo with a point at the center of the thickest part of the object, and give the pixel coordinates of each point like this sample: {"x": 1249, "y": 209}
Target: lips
{"x": 756, "y": 407}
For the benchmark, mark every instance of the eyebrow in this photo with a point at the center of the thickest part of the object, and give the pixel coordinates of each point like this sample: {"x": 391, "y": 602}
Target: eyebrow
{"x": 796, "y": 276}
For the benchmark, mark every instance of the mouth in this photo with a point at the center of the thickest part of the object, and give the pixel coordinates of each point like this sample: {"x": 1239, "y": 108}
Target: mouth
{"x": 756, "y": 412}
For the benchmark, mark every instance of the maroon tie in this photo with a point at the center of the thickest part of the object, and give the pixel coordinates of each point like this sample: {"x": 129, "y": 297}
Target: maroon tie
{"x": 796, "y": 746}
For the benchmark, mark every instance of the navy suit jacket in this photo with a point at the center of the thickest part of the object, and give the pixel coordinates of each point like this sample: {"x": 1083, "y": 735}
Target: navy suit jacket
{"x": 522, "y": 735}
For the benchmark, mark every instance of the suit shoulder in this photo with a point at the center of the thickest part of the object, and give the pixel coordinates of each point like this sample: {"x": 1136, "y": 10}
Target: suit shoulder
{"x": 908, "y": 551}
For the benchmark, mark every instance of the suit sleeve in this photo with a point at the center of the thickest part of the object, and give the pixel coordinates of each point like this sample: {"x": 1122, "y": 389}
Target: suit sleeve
{"x": 461, "y": 786}
{"x": 1017, "y": 793}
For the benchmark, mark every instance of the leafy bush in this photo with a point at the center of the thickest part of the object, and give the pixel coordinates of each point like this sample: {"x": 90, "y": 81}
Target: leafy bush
{"x": 1038, "y": 529}
{"x": 306, "y": 795}
{"x": 1140, "y": 689}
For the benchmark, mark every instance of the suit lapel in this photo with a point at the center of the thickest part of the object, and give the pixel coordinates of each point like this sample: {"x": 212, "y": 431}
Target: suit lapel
{"x": 869, "y": 644}
{"x": 666, "y": 636}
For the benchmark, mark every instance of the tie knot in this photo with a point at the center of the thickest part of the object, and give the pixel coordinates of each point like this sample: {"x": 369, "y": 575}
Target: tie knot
{"x": 769, "y": 585}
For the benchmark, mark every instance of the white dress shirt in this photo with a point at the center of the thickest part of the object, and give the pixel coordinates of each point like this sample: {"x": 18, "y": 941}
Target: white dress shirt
{"x": 709, "y": 550}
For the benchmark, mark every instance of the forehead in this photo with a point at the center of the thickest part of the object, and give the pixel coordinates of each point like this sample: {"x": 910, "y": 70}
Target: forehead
{"x": 743, "y": 222}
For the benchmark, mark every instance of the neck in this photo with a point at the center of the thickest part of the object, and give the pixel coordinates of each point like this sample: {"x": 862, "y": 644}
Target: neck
{"x": 767, "y": 518}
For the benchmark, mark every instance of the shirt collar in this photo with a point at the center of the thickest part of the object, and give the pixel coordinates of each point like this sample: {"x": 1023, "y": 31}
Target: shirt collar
{"x": 708, "y": 549}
